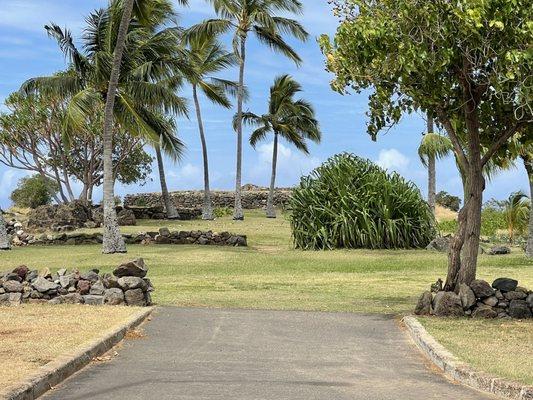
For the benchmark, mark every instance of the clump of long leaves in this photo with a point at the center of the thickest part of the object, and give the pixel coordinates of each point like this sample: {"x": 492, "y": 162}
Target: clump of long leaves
{"x": 349, "y": 202}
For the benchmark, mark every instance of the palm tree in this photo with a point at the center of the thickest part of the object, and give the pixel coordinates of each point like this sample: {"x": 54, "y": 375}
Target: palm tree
{"x": 258, "y": 17}
{"x": 135, "y": 94}
{"x": 290, "y": 119}
{"x": 516, "y": 211}
{"x": 433, "y": 147}
{"x": 206, "y": 57}
{"x": 4, "y": 239}
{"x": 526, "y": 154}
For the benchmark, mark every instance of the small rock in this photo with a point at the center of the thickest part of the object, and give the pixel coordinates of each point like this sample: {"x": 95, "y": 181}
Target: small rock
{"x": 499, "y": 250}
{"x": 441, "y": 243}
{"x": 110, "y": 281}
{"x": 84, "y": 287}
{"x": 503, "y": 304}
{"x": 72, "y": 298}
{"x": 61, "y": 272}
{"x": 97, "y": 288}
{"x": 14, "y": 299}
{"x": 135, "y": 297}
{"x": 423, "y": 307}
{"x": 12, "y": 276}
{"x": 448, "y": 304}
{"x": 529, "y": 300}
{"x": 55, "y": 301}
{"x": 516, "y": 295}
{"x": 491, "y": 301}
{"x": 91, "y": 276}
{"x": 164, "y": 232}
{"x": 114, "y": 297}
{"x": 13, "y": 286}
{"x": 66, "y": 281}
{"x": 45, "y": 273}
{"x": 21, "y": 271}
{"x": 468, "y": 298}
{"x": 93, "y": 300}
{"x": 505, "y": 284}
{"x": 132, "y": 268}
{"x": 484, "y": 311}
{"x": 499, "y": 295}
{"x": 481, "y": 288}
{"x": 519, "y": 309}
{"x": 43, "y": 285}
{"x": 132, "y": 282}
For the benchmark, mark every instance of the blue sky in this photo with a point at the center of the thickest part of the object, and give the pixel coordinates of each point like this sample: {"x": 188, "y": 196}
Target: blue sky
{"x": 26, "y": 51}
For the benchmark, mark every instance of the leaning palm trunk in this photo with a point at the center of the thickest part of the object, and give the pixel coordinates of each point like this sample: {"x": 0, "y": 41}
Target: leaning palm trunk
{"x": 238, "y": 213}
{"x": 207, "y": 210}
{"x": 270, "y": 210}
{"x": 171, "y": 211}
{"x": 113, "y": 242}
{"x": 4, "y": 239}
{"x": 528, "y": 162}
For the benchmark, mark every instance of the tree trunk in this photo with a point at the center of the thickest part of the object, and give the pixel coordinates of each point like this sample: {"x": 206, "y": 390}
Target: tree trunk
{"x": 113, "y": 242}
{"x": 432, "y": 186}
{"x": 238, "y": 213}
{"x": 270, "y": 210}
{"x": 528, "y": 163}
{"x": 207, "y": 209}
{"x": 172, "y": 213}
{"x": 4, "y": 239}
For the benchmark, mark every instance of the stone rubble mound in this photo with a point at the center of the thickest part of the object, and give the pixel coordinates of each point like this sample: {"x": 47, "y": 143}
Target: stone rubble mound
{"x": 503, "y": 299}
{"x": 127, "y": 285}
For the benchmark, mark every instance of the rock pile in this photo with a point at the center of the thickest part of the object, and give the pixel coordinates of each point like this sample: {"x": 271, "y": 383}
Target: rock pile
{"x": 127, "y": 285}
{"x": 158, "y": 212}
{"x": 503, "y": 299}
{"x": 252, "y": 198}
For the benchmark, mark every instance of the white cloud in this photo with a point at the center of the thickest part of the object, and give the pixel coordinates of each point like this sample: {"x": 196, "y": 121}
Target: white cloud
{"x": 392, "y": 159}
{"x": 187, "y": 176}
{"x": 291, "y": 165}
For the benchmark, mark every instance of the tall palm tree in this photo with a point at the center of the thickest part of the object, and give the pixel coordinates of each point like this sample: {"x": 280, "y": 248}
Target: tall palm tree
{"x": 244, "y": 17}
{"x": 516, "y": 211}
{"x": 433, "y": 147}
{"x": 135, "y": 94}
{"x": 4, "y": 239}
{"x": 207, "y": 57}
{"x": 528, "y": 163}
{"x": 288, "y": 118}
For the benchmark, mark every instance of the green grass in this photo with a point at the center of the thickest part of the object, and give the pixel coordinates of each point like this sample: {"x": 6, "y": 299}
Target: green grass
{"x": 270, "y": 274}
{"x": 503, "y": 348}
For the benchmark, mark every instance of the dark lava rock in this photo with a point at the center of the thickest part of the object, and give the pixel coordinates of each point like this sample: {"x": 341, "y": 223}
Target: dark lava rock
{"x": 131, "y": 268}
{"x": 467, "y": 296}
{"x": 481, "y": 289}
{"x": 21, "y": 271}
{"x": 499, "y": 250}
{"x": 448, "y": 304}
{"x": 12, "y": 286}
{"x": 83, "y": 287}
{"x": 135, "y": 297}
{"x": 423, "y": 307}
{"x": 113, "y": 297}
{"x": 484, "y": 312}
{"x": 519, "y": 309}
{"x": 441, "y": 243}
{"x": 516, "y": 295}
{"x": 505, "y": 284}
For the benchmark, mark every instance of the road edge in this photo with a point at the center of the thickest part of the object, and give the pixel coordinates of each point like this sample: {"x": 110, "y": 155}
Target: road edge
{"x": 459, "y": 371}
{"x": 61, "y": 368}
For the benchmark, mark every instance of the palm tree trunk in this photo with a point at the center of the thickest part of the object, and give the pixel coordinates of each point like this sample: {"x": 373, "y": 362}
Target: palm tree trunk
{"x": 270, "y": 210}
{"x": 4, "y": 239}
{"x": 528, "y": 162}
{"x": 238, "y": 213}
{"x": 207, "y": 209}
{"x": 432, "y": 179}
{"x": 172, "y": 213}
{"x": 113, "y": 242}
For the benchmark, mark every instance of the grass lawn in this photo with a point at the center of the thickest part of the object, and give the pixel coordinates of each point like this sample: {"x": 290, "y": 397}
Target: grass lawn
{"x": 503, "y": 348}
{"x": 270, "y": 274}
{"x": 33, "y": 335}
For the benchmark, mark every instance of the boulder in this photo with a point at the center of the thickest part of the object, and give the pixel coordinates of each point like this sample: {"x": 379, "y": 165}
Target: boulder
{"x": 164, "y": 232}
{"x": 491, "y": 301}
{"x": 132, "y": 282}
{"x": 135, "y": 297}
{"x": 505, "y": 284}
{"x": 131, "y": 268}
{"x": 72, "y": 298}
{"x": 91, "y": 276}
{"x": 515, "y": 295}
{"x": 423, "y": 307}
{"x": 114, "y": 297}
{"x": 484, "y": 311}
{"x": 481, "y": 288}
{"x": 97, "y": 288}
{"x": 519, "y": 309}
{"x": 73, "y": 214}
{"x": 83, "y": 287}
{"x": 440, "y": 243}
{"x": 499, "y": 250}
{"x": 44, "y": 285}
{"x": 448, "y": 304}
{"x": 11, "y": 276}
{"x": 126, "y": 218}
{"x": 110, "y": 281}
{"x": 21, "y": 271}
{"x": 93, "y": 300}
{"x": 14, "y": 299}
{"x": 467, "y": 296}
{"x": 12, "y": 286}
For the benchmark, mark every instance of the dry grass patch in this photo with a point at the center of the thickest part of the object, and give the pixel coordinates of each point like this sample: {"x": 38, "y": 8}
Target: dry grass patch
{"x": 34, "y": 335}
{"x": 444, "y": 214}
{"x": 503, "y": 348}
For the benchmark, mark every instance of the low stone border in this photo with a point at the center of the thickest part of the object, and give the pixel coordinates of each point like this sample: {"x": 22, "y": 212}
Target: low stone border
{"x": 60, "y": 369}
{"x": 461, "y": 372}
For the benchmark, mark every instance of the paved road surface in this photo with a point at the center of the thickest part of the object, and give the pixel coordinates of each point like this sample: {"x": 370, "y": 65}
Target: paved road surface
{"x": 206, "y": 354}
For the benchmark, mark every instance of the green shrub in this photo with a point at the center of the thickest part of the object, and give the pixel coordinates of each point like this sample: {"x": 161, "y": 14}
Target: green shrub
{"x": 34, "y": 191}
{"x": 445, "y": 199}
{"x": 349, "y": 202}
{"x": 449, "y": 226}
{"x": 492, "y": 220}
{"x": 220, "y": 212}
